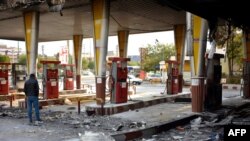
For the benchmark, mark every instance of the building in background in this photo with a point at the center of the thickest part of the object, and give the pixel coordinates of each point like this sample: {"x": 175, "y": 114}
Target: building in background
{"x": 143, "y": 52}
{"x": 64, "y": 55}
{"x": 12, "y": 52}
{"x": 135, "y": 58}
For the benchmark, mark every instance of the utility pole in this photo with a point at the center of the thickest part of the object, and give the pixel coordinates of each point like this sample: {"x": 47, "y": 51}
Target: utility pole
{"x": 90, "y": 46}
{"x": 17, "y": 50}
{"x": 68, "y": 57}
{"x": 43, "y": 50}
{"x": 13, "y": 59}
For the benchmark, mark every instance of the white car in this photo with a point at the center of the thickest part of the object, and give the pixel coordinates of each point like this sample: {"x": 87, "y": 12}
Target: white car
{"x": 154, "y": 78}
{"x": 134, "y": 80}
{"x": 87, "y": 74}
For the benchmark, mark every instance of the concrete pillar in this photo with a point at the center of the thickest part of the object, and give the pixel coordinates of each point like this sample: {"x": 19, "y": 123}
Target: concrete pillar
{"x": 196, "y": 39}
{"x": 31, "y": 26}
{"x": 123, "y": 43}
{"x": 100, "y": 10}
{"x": 189, "y": 34}
{"x": 202, "y": 47}
{"x": 189, "y": 41}
{"x": 77, "y": 40}
{"x": 179, "y": 35}
{"x": 200, "y": 29}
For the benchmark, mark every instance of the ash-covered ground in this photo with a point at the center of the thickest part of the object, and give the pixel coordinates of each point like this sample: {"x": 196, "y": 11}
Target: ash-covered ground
{"x": 58, "y": 125}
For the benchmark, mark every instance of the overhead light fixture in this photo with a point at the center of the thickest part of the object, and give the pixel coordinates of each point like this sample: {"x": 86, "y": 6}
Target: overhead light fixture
{"x": 55, "y": 5}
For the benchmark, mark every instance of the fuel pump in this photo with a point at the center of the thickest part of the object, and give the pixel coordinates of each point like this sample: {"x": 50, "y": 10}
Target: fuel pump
{"x": 18, "y": 75}
{"x": 68, "y": 79}
{"x": 50, "y": 79}
{"x": 4, "y": 81}
{"x": 172, "y": 81}
{"x": 118, "y": 76}
{"x": 246, "y": 78}
{"x": 213, "y": 94}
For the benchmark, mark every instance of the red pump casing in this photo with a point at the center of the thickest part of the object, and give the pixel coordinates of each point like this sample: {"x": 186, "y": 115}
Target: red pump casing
{"x": 51, "y": 88}
{"x": 119, "y": 87}
{"x": 68, "y": 80}
{"x": 52, "y": 84}
{"x": 172, "y": 81}
{"x": 4, "y": 81}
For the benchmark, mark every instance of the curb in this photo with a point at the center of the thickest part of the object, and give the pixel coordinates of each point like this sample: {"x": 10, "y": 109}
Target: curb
{"x": 58, "y": 101}
{"x": 64, "y": 92}
{"x": 118, "y": 108}
{"x": 149, "y": 131}
{"x": 231, "y": 86}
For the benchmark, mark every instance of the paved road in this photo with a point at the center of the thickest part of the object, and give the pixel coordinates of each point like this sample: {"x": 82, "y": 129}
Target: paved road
{"x": 147, "y": 87}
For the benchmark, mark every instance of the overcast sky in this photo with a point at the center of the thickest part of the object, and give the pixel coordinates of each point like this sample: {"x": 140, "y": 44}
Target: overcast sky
{"x": 135, "y": 42}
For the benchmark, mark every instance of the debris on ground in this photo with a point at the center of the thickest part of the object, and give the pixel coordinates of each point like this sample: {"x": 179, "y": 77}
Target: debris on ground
{"x": 207, "y": 127}
{"x": 80, "y": 125}
{"x": 179, "y": 128}
{"x": 118, "y": 128}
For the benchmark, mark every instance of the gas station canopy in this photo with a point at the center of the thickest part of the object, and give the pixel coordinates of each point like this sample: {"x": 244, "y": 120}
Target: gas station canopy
{"x": 137, "y": 16}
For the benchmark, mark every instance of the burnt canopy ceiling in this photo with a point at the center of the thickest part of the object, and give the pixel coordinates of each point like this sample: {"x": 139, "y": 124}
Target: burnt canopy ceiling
{"x": 235, "y": 12}
{"x": 137, "y": 16}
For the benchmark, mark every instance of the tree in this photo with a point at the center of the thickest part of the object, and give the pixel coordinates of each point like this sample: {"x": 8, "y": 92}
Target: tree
{"x": 231, "y": 38}
{"x": 133, "y": 63}
{"x": 85, "y": 63}
{"x": 4, "y": 58}
{"x": 88, "y": 64}
{"x": 22, "y": 59}
{"x": 91, "y": 64}
{"x": 70, "y": 59}
{"x": 155, "y": 54}
{"x": 234, "y": 52}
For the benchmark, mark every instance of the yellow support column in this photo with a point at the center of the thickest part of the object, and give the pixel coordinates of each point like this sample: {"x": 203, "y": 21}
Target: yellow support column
{"x": 179, "y": 35}
{"x": 77, "y": 40}
{"x": 196, "y": 39}
{"x": 198, "y": 86}
{"x": 100, "y": 10}
{"x": 31, "y": 26}
{"x": 123, "y": 43}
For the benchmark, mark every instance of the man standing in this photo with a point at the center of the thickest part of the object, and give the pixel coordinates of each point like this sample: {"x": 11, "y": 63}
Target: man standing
{"x": 31, "y": 90}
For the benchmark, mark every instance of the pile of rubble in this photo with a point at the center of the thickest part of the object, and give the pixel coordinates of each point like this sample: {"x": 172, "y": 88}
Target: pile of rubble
{"x": 78, "y": 124}
{"x": 207, "y": 127}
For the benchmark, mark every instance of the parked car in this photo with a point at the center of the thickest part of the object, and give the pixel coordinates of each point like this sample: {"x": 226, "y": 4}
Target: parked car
{"x": 87, "y": 76}
{"x": 134, "y": 80}
{"x": 154, "y": 78}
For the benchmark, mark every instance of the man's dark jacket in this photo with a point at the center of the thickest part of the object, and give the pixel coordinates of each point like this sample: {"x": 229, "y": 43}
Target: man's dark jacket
{"x": 31, "y": 87}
